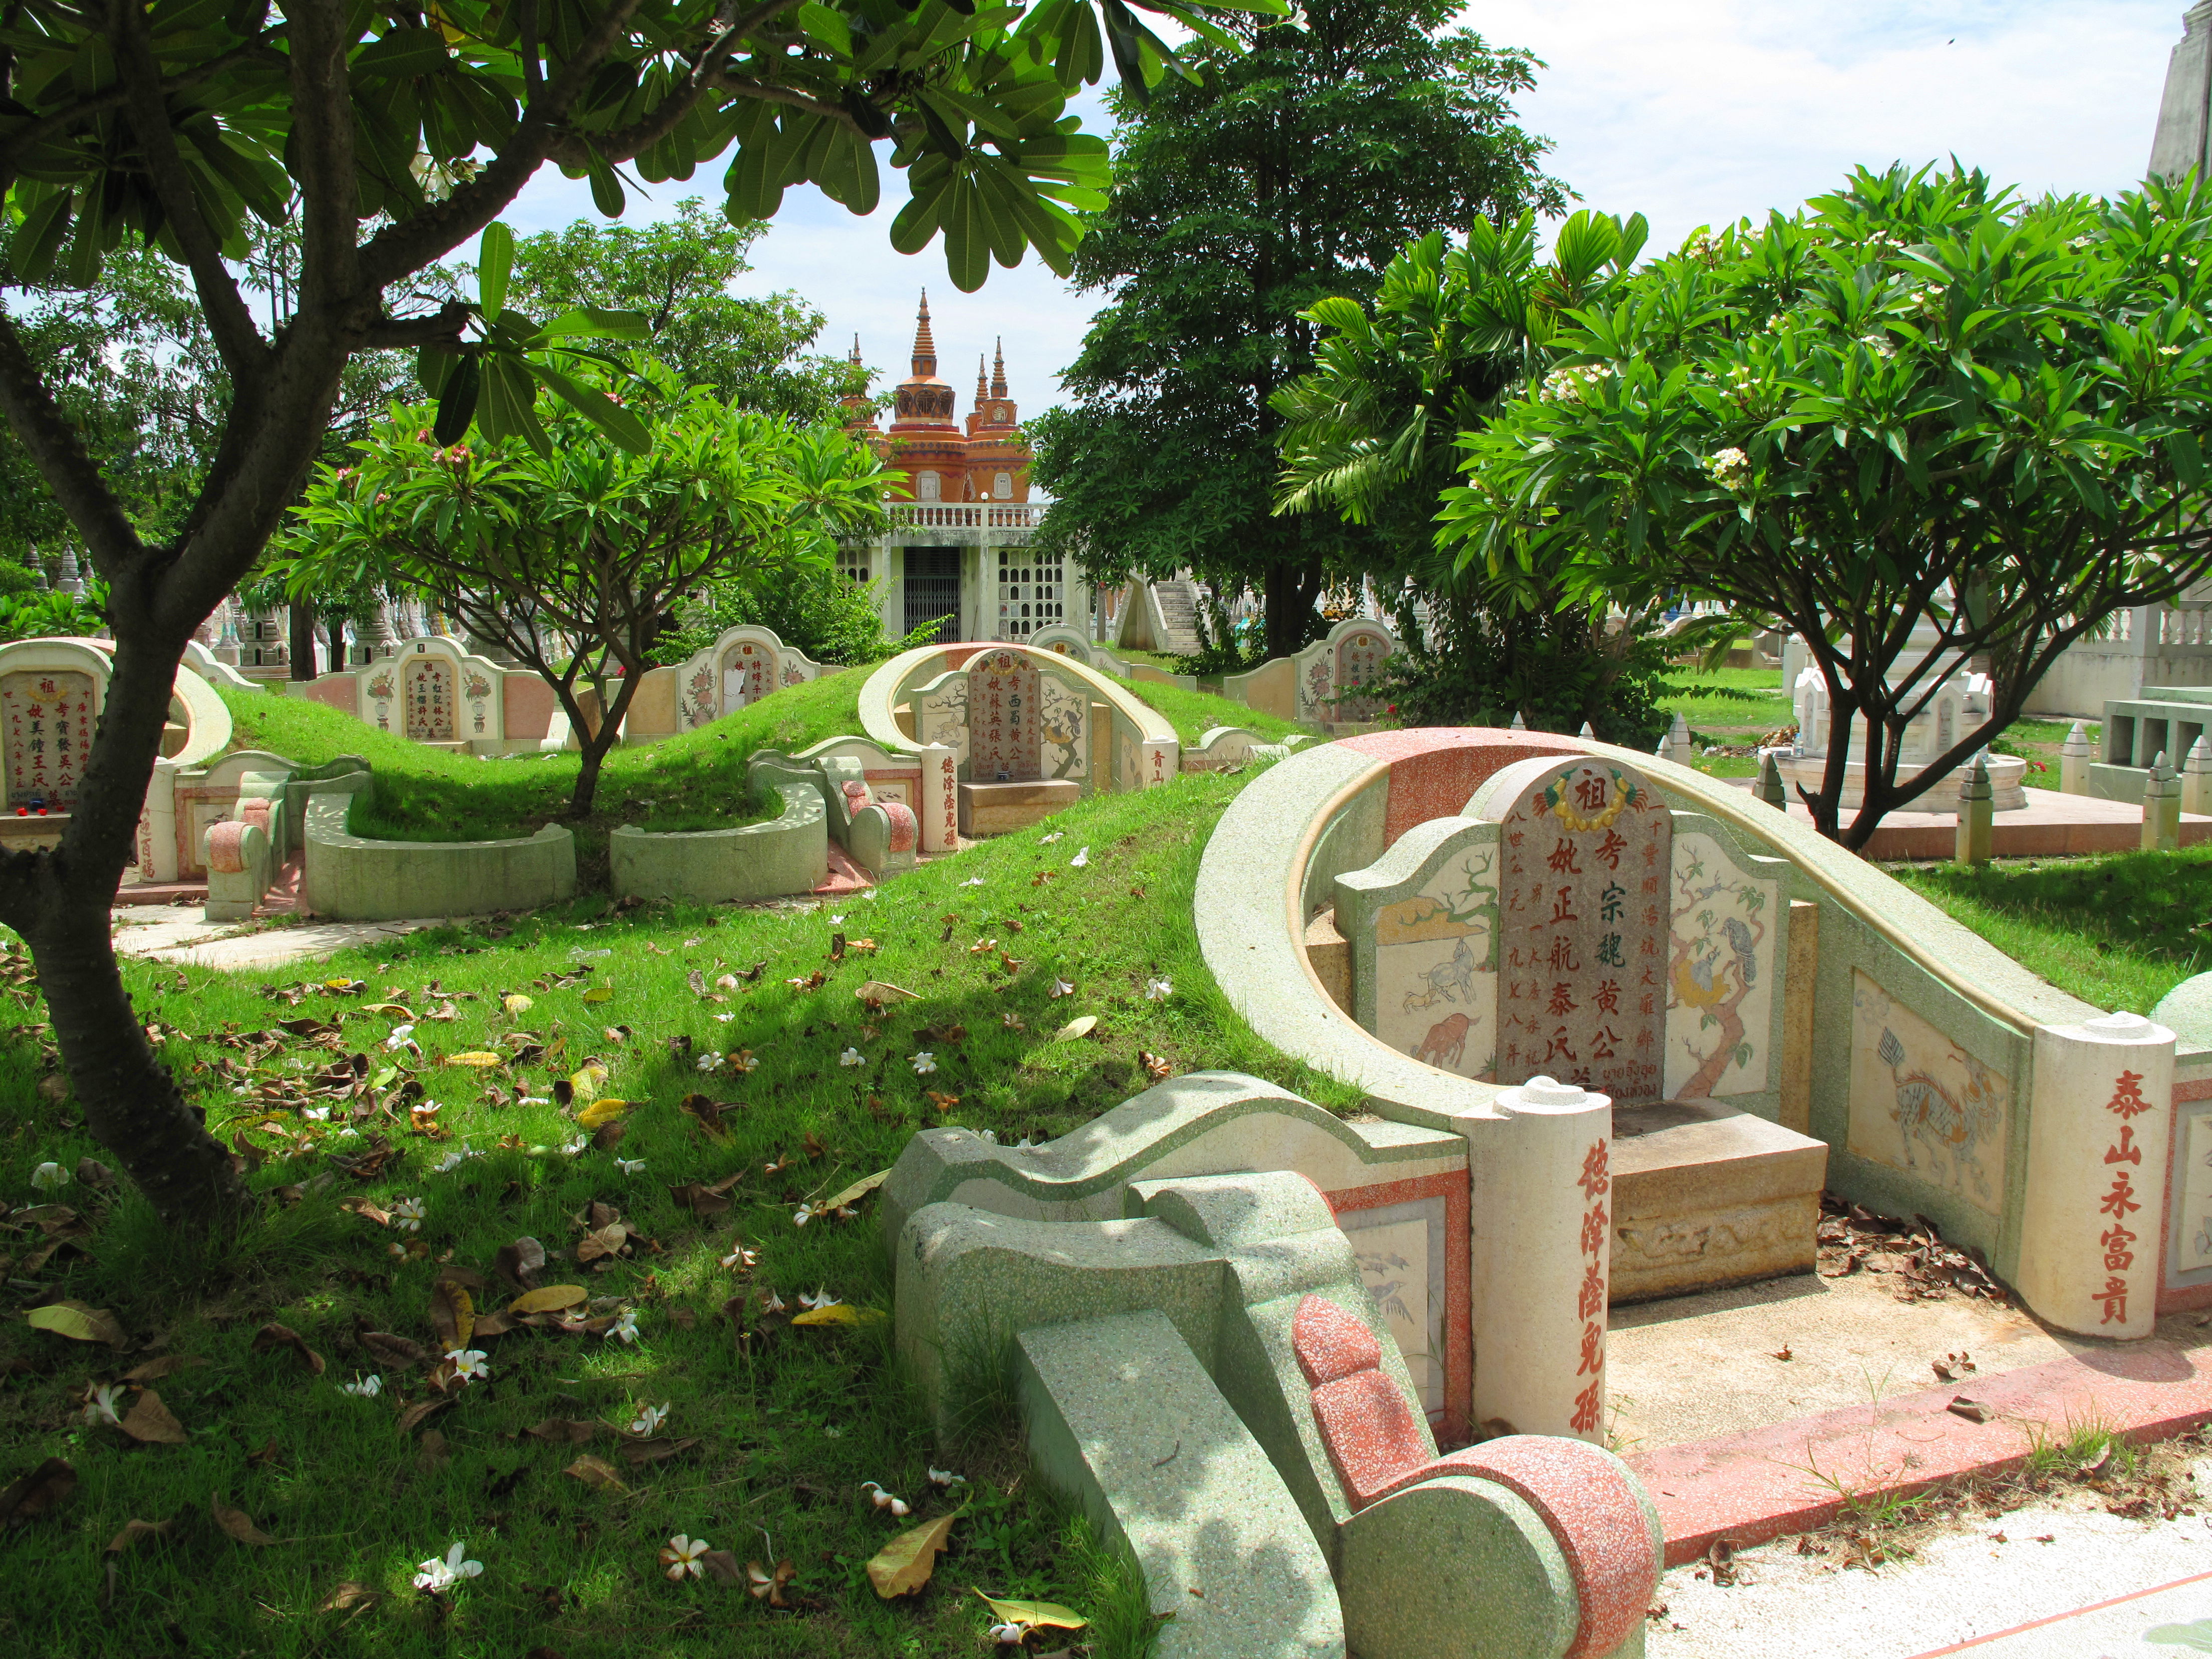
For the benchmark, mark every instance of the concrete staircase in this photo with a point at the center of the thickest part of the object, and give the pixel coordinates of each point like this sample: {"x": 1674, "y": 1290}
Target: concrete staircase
{"x": 1178, "y": 617}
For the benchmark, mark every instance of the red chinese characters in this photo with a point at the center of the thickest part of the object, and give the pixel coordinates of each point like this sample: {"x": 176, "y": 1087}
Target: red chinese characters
{"x": 2119, "y": 1202}
{"x": 48, "y": 719}
{"x": 1595, "y": 1181}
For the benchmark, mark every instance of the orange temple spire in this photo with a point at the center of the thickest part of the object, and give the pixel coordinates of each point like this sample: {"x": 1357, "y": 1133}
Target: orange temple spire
{"x": 925, "y": 348}
{"x": 999, "y": 371}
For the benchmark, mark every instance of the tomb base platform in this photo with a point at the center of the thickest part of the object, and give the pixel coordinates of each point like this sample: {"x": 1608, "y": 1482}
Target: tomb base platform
{"x": 34, "y": 833}
{"x": 1705, "y": 1195}
{"x": 997, "y": 809}
{"x": 2008, "y": 781}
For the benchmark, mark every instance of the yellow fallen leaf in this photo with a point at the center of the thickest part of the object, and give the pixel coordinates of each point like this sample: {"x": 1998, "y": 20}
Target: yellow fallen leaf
{"x": 1037, "y": 1615}
{"x": 549, "y": 1298}
{"x": 903, "y": 1565}
{"x": 601, "y": 1111}
{"x": 599, "y": 994}
{"x": 859, "y": 1190}
{"x": 587, "y": 1081}
{"x": 476, "y": 1057}
{"x": 839, "y": 1313}
{"x": 596, "y": 1472}
{"x": 77, "y": 1322}
{"x": 397, "y": 1010}
{"x": 1081, "y": 1026}
{"x": 516, "y": 1003}
{"x": 452, "y": 1313}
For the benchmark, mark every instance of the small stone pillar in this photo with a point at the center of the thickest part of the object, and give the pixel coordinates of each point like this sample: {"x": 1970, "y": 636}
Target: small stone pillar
{"x": 1540, "y": 1199}
{"x": 1771, "y": 789}
{"x": 936, "y": 802}
{"x": 2098, "y": 1136}
{"x": 1519, "y": 724}
{"x": 2162, "y": 820}
{"x": 2074, "y": 762}
{"x": 1977, "y": 813}
{"x": 2197, "y": 780}
{"x": 1586, "y": 734}
{"x": 1678, "y": 748}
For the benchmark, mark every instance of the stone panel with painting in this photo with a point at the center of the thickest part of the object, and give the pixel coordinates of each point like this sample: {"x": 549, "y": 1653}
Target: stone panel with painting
{"x": 1725, "y": 962}
{"x": 1921, "y": 1104}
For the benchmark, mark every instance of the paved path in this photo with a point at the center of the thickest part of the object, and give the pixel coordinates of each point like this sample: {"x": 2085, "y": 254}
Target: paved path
{"x": 2089, "y": 1592}
{"x": 164, "y": 933}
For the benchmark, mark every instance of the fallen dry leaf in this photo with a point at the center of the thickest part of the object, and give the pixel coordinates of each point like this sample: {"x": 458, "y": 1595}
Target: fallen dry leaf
{"x": 393, "y": 1352}
{"x": 78, "y": 1323}
{"x": 413, "y": 1416}
{"x": 549, "y": 1298}
{"x": 520, "y": 1262}
{"x": 272, "y": 1336}
{"x": 859, "y": 1190}
{"x": 655, "y": 1451}
{"x": 169, "y": 1365}
{"x": 698, "y": 1200}
{"x": 563, "y": 1431}
{"x": 1973, "y": 1410}
{"x": 133, "y": 1531}
{"x": 1034, "y": 1616}
{"x": 151, "y": 1422}
{"x": 601, "y": 1111}
{"x": 724, "y": 1565}
{"x": 46, "y": 1488}
{"x": 903, "y": 1565}
{"x": 452, "y": 1315}
{"x": 348, "y": 1594}
{"x": 237, "y": 1524}
{"x": 1080, "y": 1026}
{"x": 596, "y": 1472}
{"x": 839, "y": 1313}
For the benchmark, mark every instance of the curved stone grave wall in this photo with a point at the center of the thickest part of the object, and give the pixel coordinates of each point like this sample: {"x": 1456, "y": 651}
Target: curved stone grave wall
{"x": 350, "y": 877}
{"x": 788, "y": 853}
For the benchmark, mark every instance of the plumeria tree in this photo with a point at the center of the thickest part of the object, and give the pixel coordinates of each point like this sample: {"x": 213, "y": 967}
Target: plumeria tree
{"x": 1920, "y": 403}
{"x": 389, "y": 138}
{"x": 570, "y": 554}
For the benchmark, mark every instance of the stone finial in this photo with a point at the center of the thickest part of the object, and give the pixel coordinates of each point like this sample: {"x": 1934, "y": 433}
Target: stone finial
{"x": 2161, "y": 819}
{"x": 1771, "y": 789}
{"x": 1519, "y": 724}
{"x": 2196, "y": 778}
{"x": 1586, "y": 734}
{"x": 2074, "y": 755}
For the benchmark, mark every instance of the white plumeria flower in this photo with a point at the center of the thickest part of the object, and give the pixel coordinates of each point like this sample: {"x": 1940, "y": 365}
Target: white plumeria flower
{"x": 1008, "y": 1636}
{"x": 649, "y": 1418}
{"x": 630, "y": 1166}
{"x": 852, "y": 1057}
{"x": 316, "y": 1114}
{"x": 710, "y": 1060}
{"x": 1079, "y": 859}
{"x": 99, "y": 1406}
{"x": 774, "y": 1303}
{"x": 438, "y": 1576}
{"x": 448, "y": 1164}
{"x": 682, "y": 1554}
{"x": 49, "y": 1176}
{"x": 348, "y": 1133}
{"x": 1158, "y": 990}
{"x": 924, "y": 1062}
{"x": 363, "y": 1387}
{"x": 625, "y": 1329}
{"x": 883, "y": 1500}
{"x": 572, "y": 1147}
{"x": 1047, "y": 841}
{"x": 398, "y": 1039}
{"x": 534, "y": 1100}
{"x": 740, "y": 1257}
{"x": 742, "y": 1060}
{"x": 802, "y": 1215}
{"x": 947, "y": 1478}
{"x": 469, "y": 1364}
{"x": 1060, "y": 987}
{"x": 834, "y": 920}
{"x": 724, "y": 1019}
{"x": 973, "y": 881}
{"x": 407, "y": 1215}
{"x": 821, "y": 1298}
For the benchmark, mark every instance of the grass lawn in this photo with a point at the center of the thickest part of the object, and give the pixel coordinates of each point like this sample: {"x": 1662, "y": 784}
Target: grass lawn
{"x": 1740, "y": 701}
{"x": 2119, "y": 931}
{"x": 1193, "y": 713}
{"x": 771, "y": 1428}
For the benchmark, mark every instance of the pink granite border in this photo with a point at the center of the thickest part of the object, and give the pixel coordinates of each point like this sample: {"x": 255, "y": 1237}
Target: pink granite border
{"x": 1459, "y": 1291}
{"x": 1790, "y": 1477}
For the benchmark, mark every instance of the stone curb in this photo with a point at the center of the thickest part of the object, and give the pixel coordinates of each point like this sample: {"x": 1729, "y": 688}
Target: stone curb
{"x": 1791, "y": 1477}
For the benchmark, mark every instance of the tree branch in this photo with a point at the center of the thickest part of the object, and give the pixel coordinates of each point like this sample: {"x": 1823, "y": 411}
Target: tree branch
{"x": 322, "y": 150}
{"x": 445, "y": 325}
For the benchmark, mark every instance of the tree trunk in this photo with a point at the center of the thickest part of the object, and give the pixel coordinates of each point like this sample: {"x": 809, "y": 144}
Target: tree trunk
{"x": 335, "y": 628}
{"x": 303, "y": 639}
{"x": 59, "y": 902}
{"x": 596, "y": 745}
{"x": 1290, "y": 597}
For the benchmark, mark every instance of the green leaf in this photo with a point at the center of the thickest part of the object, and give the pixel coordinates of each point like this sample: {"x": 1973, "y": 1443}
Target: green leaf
{"x": 606, "y": 189}
{"x": 594, "y": 322}
{"x": 495, "y": 260}
{"x": 827, "y": 27}
{"x": 609, "y": 416}
{"x": 510, "y": 397}
{"x": 457, "y": 405}
{"x": 2197, "y": 1636}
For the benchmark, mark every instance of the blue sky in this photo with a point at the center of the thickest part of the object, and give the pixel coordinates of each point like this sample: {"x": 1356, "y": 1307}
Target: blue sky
{"x": 1692, "y": 112}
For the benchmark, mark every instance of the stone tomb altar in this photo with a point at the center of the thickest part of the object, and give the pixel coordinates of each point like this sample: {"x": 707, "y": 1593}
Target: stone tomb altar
{"x": 1020, "y": 735}
{"x": 1570, "y": 924}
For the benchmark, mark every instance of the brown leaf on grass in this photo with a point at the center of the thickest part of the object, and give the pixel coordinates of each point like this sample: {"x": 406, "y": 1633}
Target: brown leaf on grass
{"x": 452, "y": 1315}
{"x": 268, "y": 1456}
{"x": 707, "y": 1114}
{"x": 859, "y": 1190}
{"x": 608, "y": 1136}
{"x": 133, "y": 1531}
{"x": 655, "y": 1451}
{"x": 44, "y": 1488}
{"x": 596, "y": 1472}
{"x": 549, "y": 1298}
{"x": 563, "y": 1431}
{"x": 520, "y": 1262}
{"x": 349, "y": 1594}
{"x": 724, "y": 1565}
{"x": 80, "y": 1323}
{"x": 879, "y": 991}
{"x": 903, "y": 1565}
{"x": 367, "y": 1210}
{"x": 698, "y": 1200}
{"x": 93, "y": 1173}
{"x": 697, "y": 981}
{"x": 151, "y": 1422}
{"x": 681, "y": 1317}
{"x": 433, "y": 1451}
{"x": 168, "y": 1365}
{"x": 237, "y": 1524}
{"x": 415, "y": 1415}
{"x": 273, "y": 1336}
{"x": 492, "y": 1324}
{"x": 607, "y": 1241}
{"x": 393, "y": 1352}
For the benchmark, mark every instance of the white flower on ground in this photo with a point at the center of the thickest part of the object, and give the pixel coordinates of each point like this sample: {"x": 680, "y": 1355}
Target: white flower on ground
{"x": 945, "y": 1478}
{"x": 740, "y": 1257}
{"x": 625, "y": 1329}
{"x": 802, "y": 1215}
{"x": 448, "y": 1164}
{"x": 407, "y": 1215}
{"x": 834, "y": 920}
{"x": 774, "y": 1304}
{"x": 438, "y": 1576}
{"x": 727, "y": 982}
{"x": 1008, "y": 1636}
{"x": 821, "y": 1298}
{"x": 630, "y": 1166}
{"x": 742, "y": 1060}
{"x": 363, "y": 1387}
{"x": 469, "y": 1364}
{"x": 1046, "y": 841}
{"x": 682, "y": 1554}
{"x": 883, "y": 1500}
{"x": 648, "y": 1418}
{"x": 923, "y": 1063}
{"x": 316, "y": 1114}
{"x": 1079, "y": 859}
{"x": 99, "y": 1406}
{"x": 398, "y": 1039}
{"x": 572, "y": 1147}
{"x": 49, "y": 1176}
{"x": 852, "y": 1057}
{"x": 973, "y": 881}
{"x": 1158, "y": 990}
{"x": 1060, "y": 987}
{"x": 710, "y": 1060}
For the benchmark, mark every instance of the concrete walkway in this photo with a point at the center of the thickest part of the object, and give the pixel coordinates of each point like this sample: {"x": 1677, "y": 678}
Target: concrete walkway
{"x": 163, "y": 933}
{"x": 2036, "y": 1584}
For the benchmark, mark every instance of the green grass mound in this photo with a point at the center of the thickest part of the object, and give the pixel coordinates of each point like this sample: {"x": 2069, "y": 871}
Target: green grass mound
{"x": 775, "y": 1427}
{"x": 1193, "y": 713}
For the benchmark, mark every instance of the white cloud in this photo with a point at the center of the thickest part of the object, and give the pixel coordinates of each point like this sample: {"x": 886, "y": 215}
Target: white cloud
{"x": 1692, "y": 112}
